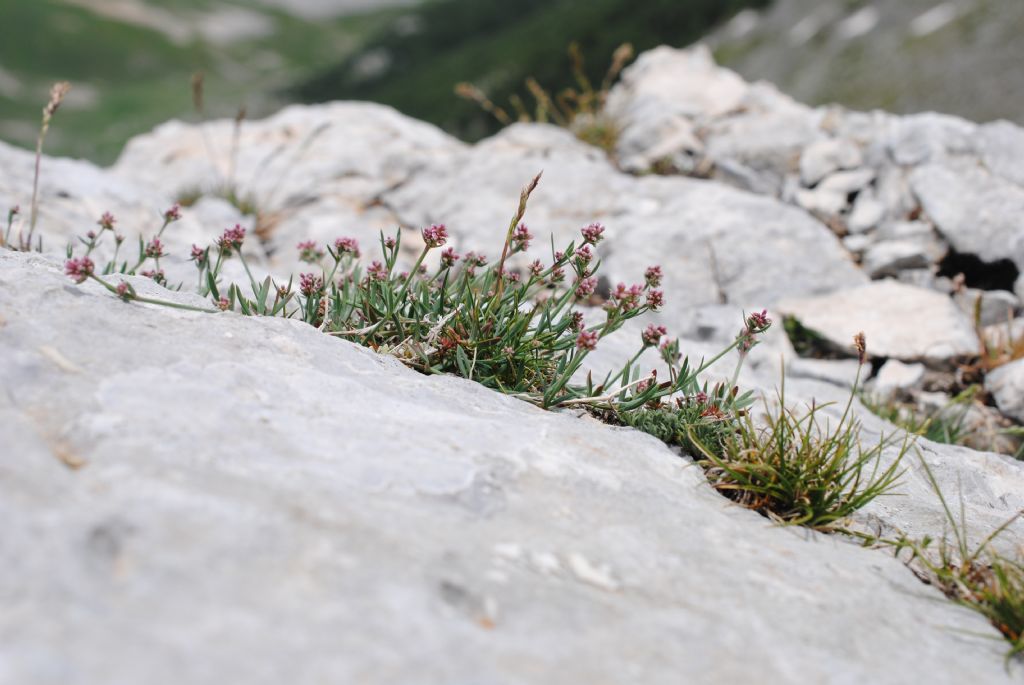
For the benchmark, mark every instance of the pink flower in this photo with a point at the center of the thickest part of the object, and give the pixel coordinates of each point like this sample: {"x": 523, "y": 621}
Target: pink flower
{"x": 389, "y": 243}
{"x": 309, "y": 252}
{"x": 198, "y": 255}
{"x": 448, "y": 258}
{"x": 79, "y": 269}
{"x": 154, "y": 249}
{"x": 759, "y": 322}
{"x": 655, "y": 299}
{"x": 585, "y": 287}
{"x": 701, "y": 397}
{"x": 15, "y": 211}
{"x": 310, "y": 284}
{"x": 377, "y": 271}
{"x": 653, "y": 276}
{"x": 476, "y": 259}
{"x": 173, "y": 214}
{"x": 223, "y": 304}
{"x": 91, "y": 235}
{"x": 232, "y": 237}
{"x": 521, "y": 238}
{"x": 536, "y": 268}
{"x": 584, "y": 255}
{"x": 123, "y": 291}
{"x": 435, "y": 235}
{"x": 107, "y": 221}
{"x": 347, "y": 246}
{"x": 593, "y": 233}
{"x": 156, "y": 274}
{"x": 586, "y": 340}
{"x": 557, "y": 275}
{"x": 652, "y": 335}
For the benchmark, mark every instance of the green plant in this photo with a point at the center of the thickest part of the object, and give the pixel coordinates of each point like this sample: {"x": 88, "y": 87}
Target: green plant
{"x": 947, "y": 424}
{"x": 806, "y": 343}
{"x": 797, "y": 469}
{"x": 516, "y": 330}
{"x": 978, "y": 577}
{"x": 579, "y": 109}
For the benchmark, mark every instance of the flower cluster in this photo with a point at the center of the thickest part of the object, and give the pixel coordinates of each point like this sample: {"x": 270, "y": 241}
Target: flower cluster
{"x": 311, "y": 284}
{"x": 448, "y": 258}
{"x": 435, "y": 235}
{"x": 79, "y": 269}
{"x": 309, "y": 252}
{"x": 652, "y": 335}
{"x": 593, "y": 234}
{"x": 231, "y": 238}
{"x": 521, "y": 238}
{"x": 107, "y": 221}
{"x": 154, "y": 249}
{"x": 347, "y": 246}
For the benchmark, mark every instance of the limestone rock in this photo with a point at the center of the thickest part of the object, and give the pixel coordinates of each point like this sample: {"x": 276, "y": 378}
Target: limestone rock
{"x": 992, "y": 307}
{"x": 305, "y": 506}
{"x": 1001, "y": 145}
{"x": 900, "y": 321}
{"x": 827, "y": 156}
{"x": 1006, "y": 384}
{"x": 889, "y": 257}
{"x": 895, "y": 376}
{"x": 978, "y": 213}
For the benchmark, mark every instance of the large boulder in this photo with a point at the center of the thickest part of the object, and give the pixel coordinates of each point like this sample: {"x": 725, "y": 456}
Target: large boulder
{"x": 900, "y": 321}
{"x": 193, "y": 498}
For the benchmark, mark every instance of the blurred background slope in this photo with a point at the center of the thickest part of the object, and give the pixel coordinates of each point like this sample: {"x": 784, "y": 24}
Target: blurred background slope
{"x": 130, "y": 60}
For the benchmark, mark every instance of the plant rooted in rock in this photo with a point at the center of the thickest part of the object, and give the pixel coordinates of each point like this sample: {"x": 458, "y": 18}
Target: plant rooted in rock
{"x": 798, "y": 468}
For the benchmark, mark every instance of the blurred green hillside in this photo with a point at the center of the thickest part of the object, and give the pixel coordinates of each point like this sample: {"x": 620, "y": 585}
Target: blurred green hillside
{"x": 496, "y": 44}
{"x": 130, "y": 62}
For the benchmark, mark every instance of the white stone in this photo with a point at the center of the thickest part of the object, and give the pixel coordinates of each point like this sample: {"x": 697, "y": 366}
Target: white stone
{"x": 900, "y": 321}
{"x": 294, "y": 499}
{"x": 895, "y": 375}
{"x": 848, "y": 182}
{"x": 1001, "y": 145}
{"x": 826, "y": 156}
{"x": 888, "y": 257}
{"x": 1006, "y": 385}
{"x": 867, "y": 213}
{"x": 978, "y": 213}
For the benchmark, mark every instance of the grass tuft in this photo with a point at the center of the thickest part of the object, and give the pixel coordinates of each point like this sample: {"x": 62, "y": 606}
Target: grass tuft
{"x": 798, "y": 468}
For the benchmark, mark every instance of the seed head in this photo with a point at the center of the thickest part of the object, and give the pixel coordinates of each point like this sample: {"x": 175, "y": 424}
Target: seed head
{"x": 860, "y": 343}
{"x": 57, "y": 92}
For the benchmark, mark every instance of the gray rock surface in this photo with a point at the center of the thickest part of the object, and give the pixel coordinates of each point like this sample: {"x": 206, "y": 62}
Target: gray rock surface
{"x": 900, "y": 321}
{"x": 313, "y": 512}
{"x": 892, "y": 256}
{"x": 977, "y": 212}
{"x": 895, "y": 376}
